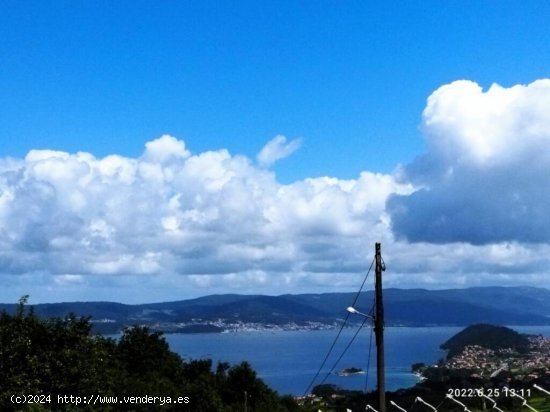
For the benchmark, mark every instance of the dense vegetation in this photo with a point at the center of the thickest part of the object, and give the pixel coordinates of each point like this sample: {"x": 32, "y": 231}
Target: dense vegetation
{"x": 60, "y": 356}
{"x": 488, "y": 336}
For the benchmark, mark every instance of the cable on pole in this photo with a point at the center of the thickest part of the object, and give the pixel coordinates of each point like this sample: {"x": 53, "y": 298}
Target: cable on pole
{"x": 339, "y": 332}
{"x": 362, "y": 284}
{"x": 327, "y": 355}
{"x": 344, "y": 351}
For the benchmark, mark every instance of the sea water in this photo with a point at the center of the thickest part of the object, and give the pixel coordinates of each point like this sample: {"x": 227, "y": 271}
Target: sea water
{"x": 288, "y": 360}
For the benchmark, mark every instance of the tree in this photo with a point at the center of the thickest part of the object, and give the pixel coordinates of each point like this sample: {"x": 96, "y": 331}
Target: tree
{"x": 61, "y": 356}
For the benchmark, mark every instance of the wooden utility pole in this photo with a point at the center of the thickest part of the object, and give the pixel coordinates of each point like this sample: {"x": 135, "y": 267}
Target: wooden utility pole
{"x": 379, "y": 330}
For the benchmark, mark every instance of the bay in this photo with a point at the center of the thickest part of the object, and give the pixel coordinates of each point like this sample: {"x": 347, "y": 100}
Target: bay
{"x": 288, "y": 360}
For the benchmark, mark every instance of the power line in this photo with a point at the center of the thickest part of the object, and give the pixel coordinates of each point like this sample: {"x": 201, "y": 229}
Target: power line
{"x": 362, "y": 284}
{"x": 339, "y": 332}
{"x": 327, "y": 355}
{"x": 344, "y": 351}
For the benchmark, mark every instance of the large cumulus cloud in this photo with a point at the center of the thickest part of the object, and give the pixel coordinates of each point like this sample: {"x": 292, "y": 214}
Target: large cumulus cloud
{"x": 485, "y": 176}
{"x": 471, "y": 211}
{"x": 169, "y": 212}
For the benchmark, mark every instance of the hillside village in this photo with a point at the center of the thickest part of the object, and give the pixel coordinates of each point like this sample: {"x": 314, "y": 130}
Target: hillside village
{"x": 506, "y": 362}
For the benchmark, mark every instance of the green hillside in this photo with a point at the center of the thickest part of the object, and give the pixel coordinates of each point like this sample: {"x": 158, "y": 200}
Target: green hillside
{"x": 487, "y": 336}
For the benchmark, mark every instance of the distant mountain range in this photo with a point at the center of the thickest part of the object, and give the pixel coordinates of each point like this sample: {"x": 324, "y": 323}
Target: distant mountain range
{"x": 403, "y": 307}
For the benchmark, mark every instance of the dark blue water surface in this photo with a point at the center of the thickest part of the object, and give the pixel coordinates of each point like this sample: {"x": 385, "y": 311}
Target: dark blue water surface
{"x": 288, "y": 360}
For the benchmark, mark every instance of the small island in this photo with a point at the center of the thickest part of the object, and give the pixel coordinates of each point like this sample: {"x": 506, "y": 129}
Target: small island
{"x": 350, "y": 372}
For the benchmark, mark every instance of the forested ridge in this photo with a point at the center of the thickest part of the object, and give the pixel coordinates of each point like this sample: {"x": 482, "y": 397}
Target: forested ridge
{"x": 489, "y": 336}
{"x": 404, "y": 307}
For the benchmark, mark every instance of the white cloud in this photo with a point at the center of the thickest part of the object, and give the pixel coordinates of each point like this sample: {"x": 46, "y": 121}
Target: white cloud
{"x": 500, "y": 125}
{"x": 164, "y": 148}
{"x": 170, "y": 224}
{"x": 171, "y": 213}
{"x": 276, "y": 149}
{"x": 485, "y": 172}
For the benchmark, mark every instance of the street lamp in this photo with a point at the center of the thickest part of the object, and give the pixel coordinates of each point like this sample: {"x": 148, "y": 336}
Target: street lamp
{"x": 351, "y": 309}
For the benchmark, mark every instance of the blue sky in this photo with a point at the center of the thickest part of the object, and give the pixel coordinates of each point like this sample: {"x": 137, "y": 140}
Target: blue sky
{"x": 105, "y": 77}
{"x": 347, "y": 82}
